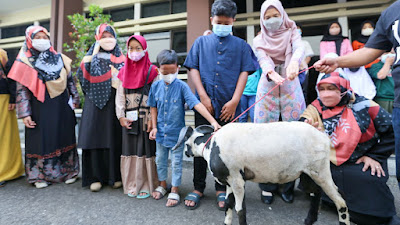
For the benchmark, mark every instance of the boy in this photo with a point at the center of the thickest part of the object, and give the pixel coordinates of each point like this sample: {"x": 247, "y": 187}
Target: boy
{"x": 166, "y": 99}
{"x": 219, "y": 64}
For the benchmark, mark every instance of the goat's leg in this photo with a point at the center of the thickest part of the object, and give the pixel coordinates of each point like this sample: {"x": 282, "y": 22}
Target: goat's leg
{"x": 310, "y": 187}
{"x": 324, "y": 179}
{"x": 229, "y": 204}
{"x": 237, "y": 186}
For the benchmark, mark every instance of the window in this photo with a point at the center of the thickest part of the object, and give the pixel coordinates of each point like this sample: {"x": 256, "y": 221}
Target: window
{"x": 179, "y": 41}
{"x": 293, "y": 3}
{"x": 46, "y": 24}
{"x": 241, "y": 6}
{"x": 15, "y": 31}
{"x": 163, "y": 8}
{"x": 240, "y": 32}
{"x": 121, "y": 14}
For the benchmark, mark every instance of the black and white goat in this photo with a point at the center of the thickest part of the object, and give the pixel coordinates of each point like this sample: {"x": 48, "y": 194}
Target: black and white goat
{"x": 265, "y": 153}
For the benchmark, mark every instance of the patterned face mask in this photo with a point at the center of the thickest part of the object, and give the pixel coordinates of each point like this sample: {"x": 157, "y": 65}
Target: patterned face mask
{"x": 273, "y": 24}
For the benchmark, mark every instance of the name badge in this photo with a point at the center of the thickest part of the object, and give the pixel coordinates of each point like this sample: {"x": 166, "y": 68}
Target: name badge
{"x": 132, "y": 115}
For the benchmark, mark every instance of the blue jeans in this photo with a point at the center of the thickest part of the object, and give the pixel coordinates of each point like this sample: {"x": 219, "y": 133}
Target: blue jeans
{"x": 396, "y": 128}
{"x": 162, "y": 153}
{"x": 245, "y": 102}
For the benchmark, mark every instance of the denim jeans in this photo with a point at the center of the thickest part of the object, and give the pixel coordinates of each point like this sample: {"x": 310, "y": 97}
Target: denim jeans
{"x": 245, "y": 102}
{"x": 396, "y": 128}
{"x": 162, "y": 153}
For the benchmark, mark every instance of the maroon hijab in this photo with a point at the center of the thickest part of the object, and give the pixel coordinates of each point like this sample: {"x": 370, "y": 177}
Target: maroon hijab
{"x": 133, "y": 74}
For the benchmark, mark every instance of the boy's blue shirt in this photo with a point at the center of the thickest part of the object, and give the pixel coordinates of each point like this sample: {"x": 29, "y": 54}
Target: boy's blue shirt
{"x": 220, "y": 61}
{"x": 170, "y": 101}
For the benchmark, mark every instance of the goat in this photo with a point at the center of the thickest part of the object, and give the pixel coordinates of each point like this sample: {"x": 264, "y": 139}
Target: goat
{"x": 264, "y": 153}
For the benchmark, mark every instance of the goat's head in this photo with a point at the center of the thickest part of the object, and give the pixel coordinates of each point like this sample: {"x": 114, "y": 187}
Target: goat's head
{"x": 194, "y": 139}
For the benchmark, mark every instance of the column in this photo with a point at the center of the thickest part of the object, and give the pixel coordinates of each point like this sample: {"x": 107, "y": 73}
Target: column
{"x": 344, "y": 21}
{"x": 60, "y": 26}
{"x": 137, "y": 14}
{"x": 250, "y": 29}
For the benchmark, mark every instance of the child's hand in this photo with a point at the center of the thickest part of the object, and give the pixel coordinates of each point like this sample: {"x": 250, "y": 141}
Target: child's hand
{"x": 228, "y": 111}
{"x": 216, "y": 126}
{"x": 125, "y": 122}
{"x": 149, "y": 126}
{"x": 206, "y": 101}
{"x": 152, "y": 135}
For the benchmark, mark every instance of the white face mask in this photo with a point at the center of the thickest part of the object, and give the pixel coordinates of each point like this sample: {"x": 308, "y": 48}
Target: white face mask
{"x": 367, "y": 31}
{"x": 41, "y": 44}
{"x": 273, "y": 24}
{"x": 334, "y": 31}
{"x": 108, "y": 44}
{"x": 169, "y": 78}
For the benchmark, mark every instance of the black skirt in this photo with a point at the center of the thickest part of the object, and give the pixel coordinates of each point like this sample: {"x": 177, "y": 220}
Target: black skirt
{"x": 50, "y": 147}
{"x": 100, "y": 137}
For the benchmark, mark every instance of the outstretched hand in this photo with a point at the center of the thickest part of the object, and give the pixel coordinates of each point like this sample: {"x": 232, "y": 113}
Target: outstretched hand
{"x": 326, "y": 65}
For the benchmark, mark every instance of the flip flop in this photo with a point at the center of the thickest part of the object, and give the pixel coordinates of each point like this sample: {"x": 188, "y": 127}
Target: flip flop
{"x": 143, "y": 196}
{"x": 131, "y": 195}
{"x": 162, "y": 191}
{"x": 174, "y": 196}
{"x": 221, "y": 198}
{"x": 195, "y": 198}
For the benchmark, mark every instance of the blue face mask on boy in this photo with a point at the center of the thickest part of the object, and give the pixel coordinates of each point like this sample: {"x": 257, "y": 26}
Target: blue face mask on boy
{"x": 222, "y": 30}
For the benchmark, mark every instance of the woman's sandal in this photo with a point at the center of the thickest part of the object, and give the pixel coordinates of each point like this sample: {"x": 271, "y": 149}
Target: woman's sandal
{"x": 162, "y": 191}
{"x": 132, "y": 195}
{"x": 147, "y": 194}
{"x": 174, "y": 196}
{"x": 194, "y": 198}
{"x": 221, "y": 198}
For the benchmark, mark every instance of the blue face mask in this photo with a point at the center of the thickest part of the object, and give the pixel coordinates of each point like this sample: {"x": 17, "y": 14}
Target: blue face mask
{"x": 222, "y": 30}
{"x": 384, "y": 57}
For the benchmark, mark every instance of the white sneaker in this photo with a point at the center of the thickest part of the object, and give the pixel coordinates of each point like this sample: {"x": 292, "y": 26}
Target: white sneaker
{"x": 71, "y": 180}
{"x": 117, "y": 184}
{"x": 95, "y": 187}
{"x": 41, "y": 185}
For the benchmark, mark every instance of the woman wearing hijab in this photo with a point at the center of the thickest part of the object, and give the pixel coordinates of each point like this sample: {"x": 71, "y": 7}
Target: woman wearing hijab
{"x": 11, "y": 166}
{"x": 367, "y": 28}
{"x": 362, "y": 136}
{"x": 44, "y": 86}
{"x": 138, "y": 168}
{"x": 100, "y": 134}
{"x": 279, "y": 51}
{"x": 334, "y": 42}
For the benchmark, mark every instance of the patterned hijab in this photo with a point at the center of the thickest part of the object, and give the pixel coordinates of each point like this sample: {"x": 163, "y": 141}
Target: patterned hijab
{"x": 39, "y": 71}
{"x": 348, "y": 124}
{"x": 97, "y": 68}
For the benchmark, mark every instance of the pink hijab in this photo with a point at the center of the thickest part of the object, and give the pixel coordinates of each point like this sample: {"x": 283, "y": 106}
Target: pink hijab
{"x": 133, "y": 74}
{"x": 278, "y": 44}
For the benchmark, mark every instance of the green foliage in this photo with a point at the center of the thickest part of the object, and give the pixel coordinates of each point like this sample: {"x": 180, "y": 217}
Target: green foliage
{"x": 84, "y": 31}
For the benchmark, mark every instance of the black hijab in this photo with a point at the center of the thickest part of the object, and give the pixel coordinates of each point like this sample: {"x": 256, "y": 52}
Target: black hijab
{"x": 338, "y": 39}
{"x": 362, "y": 38}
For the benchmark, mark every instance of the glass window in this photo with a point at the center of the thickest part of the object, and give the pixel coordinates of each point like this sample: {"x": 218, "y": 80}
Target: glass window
{"x": 293, "y": 3}
{"x": 122, "y": 14}
{"x": 46, "y": 24}
{"x": 155, "y": 9}
{"x": 178, "y": 6}
{"x": 241, "y": 6}
{"x": 240, "y": 32}
{"x": 179, "y": 41}
{"x": 15, "y": 31}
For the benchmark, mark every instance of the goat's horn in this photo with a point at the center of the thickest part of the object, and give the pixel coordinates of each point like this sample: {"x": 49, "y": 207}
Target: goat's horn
{"x": 183, "y": 136}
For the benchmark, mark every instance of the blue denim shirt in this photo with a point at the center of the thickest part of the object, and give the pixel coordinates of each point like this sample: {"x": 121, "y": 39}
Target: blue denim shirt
{"x": 170, "y": 101}
{"x": 220, "y": 61}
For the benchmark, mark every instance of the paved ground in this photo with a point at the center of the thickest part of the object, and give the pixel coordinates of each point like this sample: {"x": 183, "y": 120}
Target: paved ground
{"x": 21, "y": 203}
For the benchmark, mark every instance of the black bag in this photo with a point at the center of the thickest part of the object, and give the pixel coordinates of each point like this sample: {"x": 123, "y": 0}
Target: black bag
{"x": 135, "y": 125}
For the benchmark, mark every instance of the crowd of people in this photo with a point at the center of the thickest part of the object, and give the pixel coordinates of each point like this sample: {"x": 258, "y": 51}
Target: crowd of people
{"x": 133, "y": 111}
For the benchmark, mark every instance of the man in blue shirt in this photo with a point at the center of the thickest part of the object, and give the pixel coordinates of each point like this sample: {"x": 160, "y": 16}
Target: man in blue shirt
{"x": 219, "y": 64}
{"x": 167, "y": 98}
{"x": 385, "y": 37}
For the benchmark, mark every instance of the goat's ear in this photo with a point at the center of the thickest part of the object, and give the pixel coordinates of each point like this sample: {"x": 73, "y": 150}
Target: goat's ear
{"x": 205, "y": 129}
{"x": 185, "y": 133}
